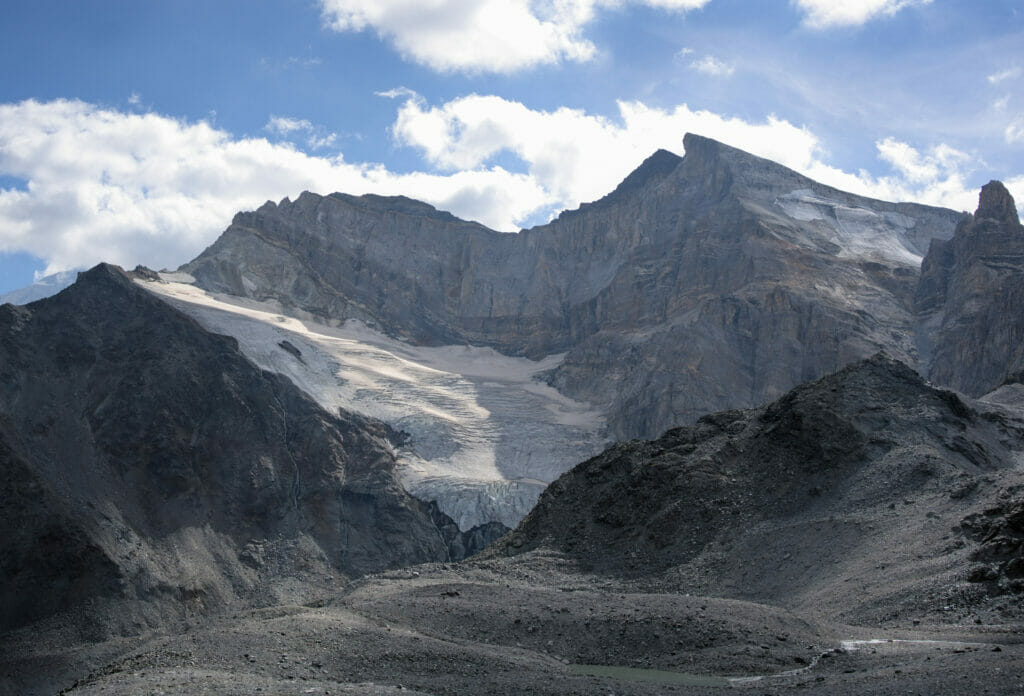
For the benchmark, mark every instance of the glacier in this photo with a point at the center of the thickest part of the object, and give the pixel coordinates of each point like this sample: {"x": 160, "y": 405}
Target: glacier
{"x": 484, "y": 434}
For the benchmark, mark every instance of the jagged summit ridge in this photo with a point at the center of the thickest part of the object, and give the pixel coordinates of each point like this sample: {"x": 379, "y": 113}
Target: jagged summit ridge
{"x": 652, "y": 170}
{"x": 706, "y": 268}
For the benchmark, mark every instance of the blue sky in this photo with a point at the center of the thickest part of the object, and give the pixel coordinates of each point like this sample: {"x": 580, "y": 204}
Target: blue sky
{"x": 132, "y": 132}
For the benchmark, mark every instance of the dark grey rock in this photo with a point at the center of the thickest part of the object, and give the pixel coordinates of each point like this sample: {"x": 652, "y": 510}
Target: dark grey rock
{"x": 150, "y": 471}
{"x": 971, "y": 298}
{"x": 718, "y": 280}
{"x": 842, "y": 480}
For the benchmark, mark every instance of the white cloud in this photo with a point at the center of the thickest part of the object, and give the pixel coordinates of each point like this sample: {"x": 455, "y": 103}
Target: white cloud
{"x": 319, "y": 142}
{"x": 574, "y": 155}
{"x": 1015, "y": 132}
{"x": 709, "y": 65}
{"x": 1008, "y": 74}
{"x": 145, "y": 188}
{"x": 134, "y": 99}
{"x": 130, "y": 188}
{"x": 482, "y": 35}
{"x": 316, "y": 138}
{"x": 937, "y": 176}
{"x": 284, "y": 125}
{"x": 821, "y": 14}
{"x": 918, "y": 168}
{"x": 579, "y": 157}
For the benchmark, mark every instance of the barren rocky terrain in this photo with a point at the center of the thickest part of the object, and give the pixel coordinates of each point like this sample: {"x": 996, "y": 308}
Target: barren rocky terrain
{"x": 181, "y": 517}
{"x": 880, "y": 554}
{"x": 536, "y": 625}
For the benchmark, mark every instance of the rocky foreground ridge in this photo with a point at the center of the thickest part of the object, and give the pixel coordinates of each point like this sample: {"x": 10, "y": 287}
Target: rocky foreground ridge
{"x": 149, "y": 471}
{"x": 863, "y": 495}
{"x": 778, "y": 549}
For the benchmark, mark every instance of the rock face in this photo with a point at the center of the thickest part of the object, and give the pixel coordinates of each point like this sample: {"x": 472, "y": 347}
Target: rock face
{"x": 971, "y": 297}
{"x": 147, "y": 463}
{"x": 853, "y": 480}
{"x": 716, "y": 280}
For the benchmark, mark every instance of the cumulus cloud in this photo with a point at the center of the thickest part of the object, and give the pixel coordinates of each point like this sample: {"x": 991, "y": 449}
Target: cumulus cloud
{"x": 574, "y": 155}
{"x": 578, "y": 157}
{"x": 821, "y": 14}
{"x": 144, "y": 188}
{"x": 482, "y": 35}
{"x": 709, "y": 65}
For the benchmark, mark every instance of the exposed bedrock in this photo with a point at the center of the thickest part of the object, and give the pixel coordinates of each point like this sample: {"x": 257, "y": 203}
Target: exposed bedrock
{"x": 712, "y": 281}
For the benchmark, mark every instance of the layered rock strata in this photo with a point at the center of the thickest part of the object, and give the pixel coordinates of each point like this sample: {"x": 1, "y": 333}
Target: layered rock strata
{"x": 715, "y": 280}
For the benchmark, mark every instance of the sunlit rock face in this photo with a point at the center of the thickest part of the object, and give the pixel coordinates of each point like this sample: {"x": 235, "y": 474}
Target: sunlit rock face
{"x": 711, "y": 281}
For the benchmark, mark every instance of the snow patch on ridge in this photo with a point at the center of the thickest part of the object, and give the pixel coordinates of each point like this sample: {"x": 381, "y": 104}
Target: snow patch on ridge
{"x": 485, "y": 436}
{"x": 859, "y": 232}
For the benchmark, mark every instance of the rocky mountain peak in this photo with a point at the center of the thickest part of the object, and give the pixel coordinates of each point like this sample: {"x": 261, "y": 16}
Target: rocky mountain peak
{"x": 721, "y": 168}
{"x": 996, "y": 203}
{"x": 103, "y": 274}
{"x": 658, "y": 165}
{"x": 701, "y": 147}
{"x": 652, "y": 170}
{"x": 122, "y": 418}
{"x": 973, "y": 286}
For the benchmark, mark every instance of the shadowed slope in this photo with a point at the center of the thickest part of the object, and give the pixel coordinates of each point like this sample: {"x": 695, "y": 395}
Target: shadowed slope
{"x": 839, "y": 497}
{"x": 151, "y": 470}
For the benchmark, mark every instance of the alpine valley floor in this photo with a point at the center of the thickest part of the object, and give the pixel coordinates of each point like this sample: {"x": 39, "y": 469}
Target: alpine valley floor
{"x": 529, "y": 625}
{"x": 882, "y": 559}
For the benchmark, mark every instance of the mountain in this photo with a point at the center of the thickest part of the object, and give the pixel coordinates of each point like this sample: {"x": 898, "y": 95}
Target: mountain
{"x": 971, "y": 297}
{"x": 44, "y": 287}
{"x": 150, "y": 471}
{"x": 215, "y": 480}
{"x": 860, "y": 535}
{"x": 851, "y": 481}
{"x": 716, "y": 280}
{"x": 713, "y": 281}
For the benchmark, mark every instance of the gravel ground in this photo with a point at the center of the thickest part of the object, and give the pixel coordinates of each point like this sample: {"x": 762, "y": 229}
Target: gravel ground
{"x": 520, "y": 626}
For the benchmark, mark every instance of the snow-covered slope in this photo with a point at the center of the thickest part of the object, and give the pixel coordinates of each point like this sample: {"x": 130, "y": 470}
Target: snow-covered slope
{"x": 857, "y": 230}
{"x": 485, "y": 436}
